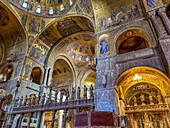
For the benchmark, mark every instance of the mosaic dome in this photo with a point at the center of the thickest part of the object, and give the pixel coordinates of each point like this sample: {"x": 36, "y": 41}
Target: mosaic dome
{"x": 82, "y": 49}
{"x": 44, "y": 8}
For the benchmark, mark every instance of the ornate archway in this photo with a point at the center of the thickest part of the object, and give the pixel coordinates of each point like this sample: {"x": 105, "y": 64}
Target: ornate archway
{"x": 142, "y": 94}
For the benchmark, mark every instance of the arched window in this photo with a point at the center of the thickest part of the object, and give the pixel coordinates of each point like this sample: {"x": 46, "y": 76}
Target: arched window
{"x": 51, "y": 11}
{"x": 61, "y": 7}
{"x": 71, "y": 2}
{"x": 132, "y": 40}
{"x": 87, "y": 58}
{"x": 38, "y": 9}
{"x": 36, "y": 75}
{"x": 6, "y": 73}
{"x": 25, "y": 4}
{"x": 80, "y": 58}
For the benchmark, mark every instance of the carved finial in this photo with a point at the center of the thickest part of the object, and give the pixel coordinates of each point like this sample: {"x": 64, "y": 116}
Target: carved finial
{"x": 56, "y": 93}
{"x": 21, "y": 100}
{"x": 85, "y": 92}
{"x": 43, "y": 98}
{"x": 33, "y": 101}
{"x": 159, "y": 98}
{"x": 61, "y": 96}
{"x": 142, "y": 97}
{"x": 67, "y": 94}
{"x": 73, "y": 92}
{"x": 91, "y": 91}
{"x": 78, "y": 92}
{"x": 25, "y": 102}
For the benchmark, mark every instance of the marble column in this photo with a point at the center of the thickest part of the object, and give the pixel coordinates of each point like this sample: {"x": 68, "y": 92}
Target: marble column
{"x": 20, "y": 121}
{"x": 53, "y": 117}
{"x": 12, "y": 122}
{"x": 60, "y": 119}
{"x": 164, "y": 18}
{"x": 64, "y": 118}
{"x": 39, "y": 119}
{"x": 45, "y": 75}
{"x": 156, "y": 26}
{"x": 50, "y": 72}
{"x": 42, "y": 120}
{"x": 29, "y": 120}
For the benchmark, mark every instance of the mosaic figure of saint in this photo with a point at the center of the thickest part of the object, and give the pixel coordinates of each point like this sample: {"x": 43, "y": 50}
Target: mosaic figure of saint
{"x": 104, "y": 46}
{"x": 151, "y": 3}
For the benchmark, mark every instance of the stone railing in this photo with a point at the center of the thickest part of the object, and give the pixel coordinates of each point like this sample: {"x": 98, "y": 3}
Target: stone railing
{"x": 9, "y": 86}
{"x": 146, "y": 108}
{"x": 40, "y": 104}
{"x": 143, "y": 53}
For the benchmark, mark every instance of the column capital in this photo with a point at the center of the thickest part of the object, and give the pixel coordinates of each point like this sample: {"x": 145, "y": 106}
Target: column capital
{"x": 46, "y": 67}
{"x": 151, "y": 13}
{"x": 162, "y": 10}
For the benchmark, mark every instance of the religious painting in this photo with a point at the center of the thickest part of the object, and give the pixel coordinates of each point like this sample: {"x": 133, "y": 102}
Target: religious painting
{"x": 104, "y": 48}
{"x": 33, "y": 26}
{"x": 27, "y": 70}
{"x": 149, "y": 4}
{"x": 24, "y": 20}
{"x": 86, "y": 6}
{"x": 78, "y": 10}
{"x": 119, "y": 15}
{"x": 65, "y": 29}
{"x": 31, "y": 40}
{"x": 49, "y": 38}
{"x": 4, "y": 20}
{"x": 17, "y": 71}
{"x": 42, "y": 25}
{"x": 39, "y": 52}
{"x": 97, "y": 5}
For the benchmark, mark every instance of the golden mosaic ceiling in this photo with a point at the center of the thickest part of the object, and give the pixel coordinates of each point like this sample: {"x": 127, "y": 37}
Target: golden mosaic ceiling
{"x": 11, "y": 34}
{"x": 44, "y": 8}
{"x": 82, "y": 49}
{"x": 9, "y": 26}
{"x": 64, "y": 30}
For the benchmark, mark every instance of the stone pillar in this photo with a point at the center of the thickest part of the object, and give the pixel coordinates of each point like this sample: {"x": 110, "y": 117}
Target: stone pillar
{"x": 45, "y": 75}
{"x": 105, "y": 98}
{"x": 29, "y": 120}
{"x": 42, "y": 120}
{"x": 60, "y": 118}
{"x": 64, "y": 120}
{"x": 39, "y": 119}
{"x": 53, "y": 117}
{"x": 20, "y": 121}
{"x": 155, "y": 23}
{"x": 165, "y": 45}
{"x": 164, "y": 18}
{"x": 50, "y": 72}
